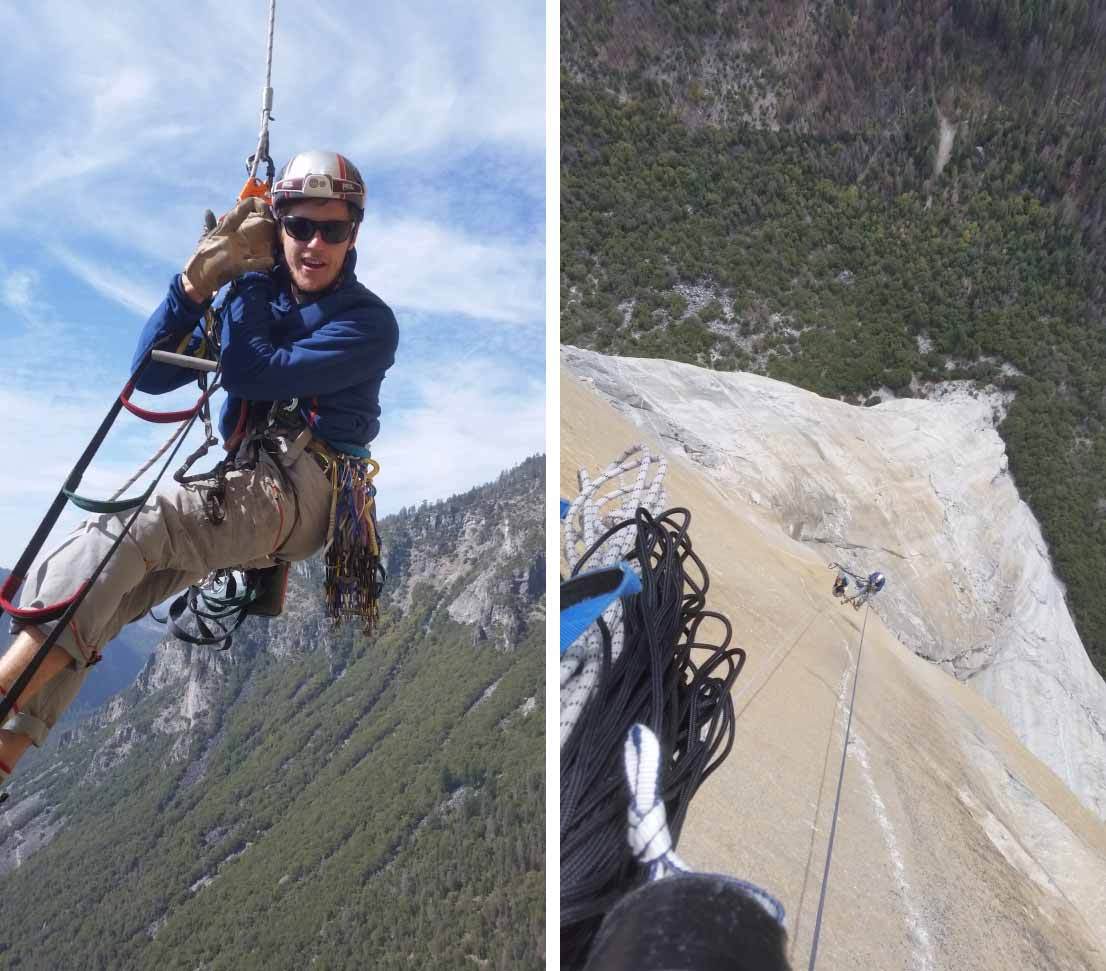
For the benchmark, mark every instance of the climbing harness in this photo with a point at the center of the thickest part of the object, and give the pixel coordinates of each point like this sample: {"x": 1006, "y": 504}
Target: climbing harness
{"x": 64, "y": 610}
{"x": 220, "y": 603}
{"x": 354, "y": 571}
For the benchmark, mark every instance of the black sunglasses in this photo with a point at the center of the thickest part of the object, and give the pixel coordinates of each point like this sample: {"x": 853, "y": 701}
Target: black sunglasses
{"x": 304, "y": 229}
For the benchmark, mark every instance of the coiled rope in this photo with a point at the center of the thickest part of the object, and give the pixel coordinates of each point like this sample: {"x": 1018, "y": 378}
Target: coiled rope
{"x": 653, "y": 681}
{"x": 635, "y": 480}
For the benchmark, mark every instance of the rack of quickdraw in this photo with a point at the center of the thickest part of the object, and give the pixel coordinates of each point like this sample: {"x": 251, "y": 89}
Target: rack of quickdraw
{"x": 354, "y": 571}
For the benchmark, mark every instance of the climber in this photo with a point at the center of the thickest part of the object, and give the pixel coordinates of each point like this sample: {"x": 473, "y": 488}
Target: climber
{"x": 867, "y": 588}
{"x": 304, "y": 347}
{"x": 840, "y": 583}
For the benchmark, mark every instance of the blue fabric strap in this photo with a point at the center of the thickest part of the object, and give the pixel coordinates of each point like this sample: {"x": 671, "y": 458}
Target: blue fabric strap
{"x": 585, "y": 597}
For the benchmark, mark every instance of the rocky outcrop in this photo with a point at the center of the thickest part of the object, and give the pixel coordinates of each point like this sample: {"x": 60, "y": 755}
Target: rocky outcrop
{"x": 918, "y": 489}
{"x": 481, "y": 550}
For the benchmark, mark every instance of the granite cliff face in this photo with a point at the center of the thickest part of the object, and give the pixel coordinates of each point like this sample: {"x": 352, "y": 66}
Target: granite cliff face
{"x": 918, "y": 489}
{"x": 956, "y": 846}
{"x": 494, "y": 542}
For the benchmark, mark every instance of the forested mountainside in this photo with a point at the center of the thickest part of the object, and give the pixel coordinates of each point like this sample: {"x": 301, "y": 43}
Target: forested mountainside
{"x": 312, "y": 797}
{"x": 865, "y": 199}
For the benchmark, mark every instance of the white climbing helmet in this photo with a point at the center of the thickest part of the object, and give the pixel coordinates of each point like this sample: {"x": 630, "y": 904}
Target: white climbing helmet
{"x": 320, "y": 175}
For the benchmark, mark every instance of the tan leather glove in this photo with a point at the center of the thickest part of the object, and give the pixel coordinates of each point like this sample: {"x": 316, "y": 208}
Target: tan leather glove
{"x": 242, "y": 241}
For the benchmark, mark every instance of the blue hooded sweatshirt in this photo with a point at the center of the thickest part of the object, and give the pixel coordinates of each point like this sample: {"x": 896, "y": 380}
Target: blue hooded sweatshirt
{"x": 330, "y": 353}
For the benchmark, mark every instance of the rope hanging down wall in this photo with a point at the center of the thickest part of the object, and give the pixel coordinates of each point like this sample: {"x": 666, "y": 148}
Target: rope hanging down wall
{"x": 837, "y": 799}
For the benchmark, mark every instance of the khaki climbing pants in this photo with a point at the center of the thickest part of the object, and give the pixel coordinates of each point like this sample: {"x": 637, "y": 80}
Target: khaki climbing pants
{"x": 172, "y": 545}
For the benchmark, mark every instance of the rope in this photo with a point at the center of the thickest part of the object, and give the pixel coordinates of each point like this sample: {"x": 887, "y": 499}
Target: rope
{"x": 587, "y": 517}
{"x": 648, "y": 834}
{"x": 837, "y": 799}
{"x": 269, "y": 56}
{"x": 266, "y": 100}
{"x": 594, "y": 516}
{"x": 649, "y": 837}
{"x": 654, "y": 682}
{"x": 146, "y": 468}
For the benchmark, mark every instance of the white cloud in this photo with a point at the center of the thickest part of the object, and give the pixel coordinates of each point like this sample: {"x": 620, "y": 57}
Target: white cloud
{"x": 143, "y": 136}
{"x": 139, "y": 298}
{"x": 129, "y": 90}
{"x": 17, "y": 288}
{"x": 471, "y": 424}
{"x": 460, "y": 77}
{"x": 431, "y": 268}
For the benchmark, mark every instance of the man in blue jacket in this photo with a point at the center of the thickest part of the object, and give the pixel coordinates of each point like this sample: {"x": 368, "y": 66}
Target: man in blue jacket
{"x": 304, "y": 348}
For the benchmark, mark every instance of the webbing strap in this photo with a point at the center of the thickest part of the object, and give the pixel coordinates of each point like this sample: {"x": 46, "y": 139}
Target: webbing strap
{"x": 117, "y": 505}
{"x": 35, "y": 615}
{"x": 107, "y": 505}
{"x": 220, "y": 611}
{"x": 157, "y": 417}
{"x": 586, "y": 596}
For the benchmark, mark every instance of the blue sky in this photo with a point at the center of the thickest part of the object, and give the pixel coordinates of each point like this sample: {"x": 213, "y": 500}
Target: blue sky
{"x": 121, "y": 125}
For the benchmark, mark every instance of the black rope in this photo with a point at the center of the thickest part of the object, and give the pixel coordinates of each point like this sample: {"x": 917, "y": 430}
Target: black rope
{"x": 654, "y": 681}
